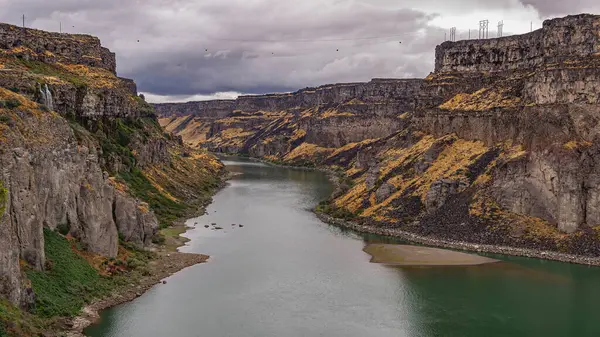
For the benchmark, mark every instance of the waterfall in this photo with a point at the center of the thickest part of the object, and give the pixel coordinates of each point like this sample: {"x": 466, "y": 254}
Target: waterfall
{"x": 46, "y": 97}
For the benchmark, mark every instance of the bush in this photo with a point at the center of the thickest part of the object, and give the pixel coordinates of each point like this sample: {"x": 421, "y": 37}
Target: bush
{"x": 133, "y": 263}
{"x": 63, "y": 228}
{"x": 158, "y": 239}
{"x": 3, "y": 197}
{"x": 12, "y": 103}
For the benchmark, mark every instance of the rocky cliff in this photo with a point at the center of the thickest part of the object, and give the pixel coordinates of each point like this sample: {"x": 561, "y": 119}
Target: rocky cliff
{"x": 81, "y": 154}
{"x": 497, "y": 146}
{"x": 51, "y": 47}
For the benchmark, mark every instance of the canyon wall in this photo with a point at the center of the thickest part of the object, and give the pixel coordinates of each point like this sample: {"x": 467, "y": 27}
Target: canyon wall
{"x": 559, "y": 40}
{"x": 496, "y": 146}
{"x": 79, "y": 151}
{"x": 51, "y": 47}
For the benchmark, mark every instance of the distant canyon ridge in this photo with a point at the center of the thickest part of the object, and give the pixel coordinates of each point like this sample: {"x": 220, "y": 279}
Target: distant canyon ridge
{"x": 499, "y": 145}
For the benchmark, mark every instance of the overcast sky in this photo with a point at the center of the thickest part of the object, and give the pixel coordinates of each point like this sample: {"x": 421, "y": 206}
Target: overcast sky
{"x": 194, "y": 49}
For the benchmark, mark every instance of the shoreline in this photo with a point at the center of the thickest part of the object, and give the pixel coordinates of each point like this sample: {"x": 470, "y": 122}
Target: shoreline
{"x": 167, "y": 264}
{"x": 431, "y": 241}
{"x": 460, "y": 245}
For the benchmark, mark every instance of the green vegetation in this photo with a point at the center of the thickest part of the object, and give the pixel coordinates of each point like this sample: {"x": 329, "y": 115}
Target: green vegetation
{"x": 339, "y": 213}
{"x": 116, "y": 135}
{"x": 15, "y": 322}
{"x": 146, "y": 109}
{"x": 10, "y": 103}
{"x": 166, "y": 210}
{"x": 3, "y": 195}
{"x": 69, "y": 281}
{"x": 46, "y": 69}
{"x": 63, "y": 228}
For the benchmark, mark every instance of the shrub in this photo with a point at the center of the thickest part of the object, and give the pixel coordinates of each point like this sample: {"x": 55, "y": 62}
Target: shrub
{"x": 133, "y": 263}
{"x": 158, "y": 239}
{"x": 12, "y": 103}
{"x": 63, "y": 228}
{"x": 3, "y": 197}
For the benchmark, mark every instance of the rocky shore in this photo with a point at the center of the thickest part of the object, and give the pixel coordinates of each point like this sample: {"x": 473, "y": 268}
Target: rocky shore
{"x": 481, "y": 248}
{"x": 431, "y": 241}
{"x": 166, "y": 265}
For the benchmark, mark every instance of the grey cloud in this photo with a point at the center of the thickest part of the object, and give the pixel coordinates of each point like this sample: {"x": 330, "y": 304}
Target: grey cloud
{"x": 192, "y": 47}
{"x": 560, "y": 7}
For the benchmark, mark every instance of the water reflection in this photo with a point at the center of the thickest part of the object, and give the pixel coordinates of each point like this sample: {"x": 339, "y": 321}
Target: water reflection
{"x": 288, "y": 274}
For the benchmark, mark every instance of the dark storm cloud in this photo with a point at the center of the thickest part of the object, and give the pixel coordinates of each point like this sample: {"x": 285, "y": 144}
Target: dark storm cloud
{"x": 560, "y": 7}
{"x": 189, "y": 47}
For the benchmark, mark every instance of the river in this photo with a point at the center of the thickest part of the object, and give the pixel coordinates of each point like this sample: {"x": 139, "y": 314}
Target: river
{"x": 285, "y": 273}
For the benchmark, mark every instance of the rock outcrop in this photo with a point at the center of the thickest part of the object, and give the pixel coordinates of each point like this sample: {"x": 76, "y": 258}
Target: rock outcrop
{"x": 49, "y": 47}
{"x": 496, "y": 146}
{"x": 558, "y": 41}
{"x": 81, "y": 154}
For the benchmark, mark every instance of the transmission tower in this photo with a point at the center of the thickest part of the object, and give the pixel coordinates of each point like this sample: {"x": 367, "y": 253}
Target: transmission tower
{"x": 500, "y": 28}
{"x": 453, "y": 34}
{"x": 483, "y": 29}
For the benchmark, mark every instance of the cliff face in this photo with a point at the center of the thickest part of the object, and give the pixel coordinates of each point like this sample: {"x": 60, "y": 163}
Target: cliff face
{"x": 559, "y": 40}
{"x": 81, "y": 154}
{"x": 50, "y": 47}
{"x": 497, "y": 146}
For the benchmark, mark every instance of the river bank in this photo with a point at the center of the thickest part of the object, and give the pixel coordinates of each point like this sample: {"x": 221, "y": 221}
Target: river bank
{"x": 300, "y": 276}
{"x": 334, "y": 178}
{"x": 465, "y": 246}
{"x": 168, "y": 262}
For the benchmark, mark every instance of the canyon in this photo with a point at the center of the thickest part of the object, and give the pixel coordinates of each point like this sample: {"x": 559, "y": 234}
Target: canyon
{"x": 81, "y": 154}
{"x": 497, "y": 146}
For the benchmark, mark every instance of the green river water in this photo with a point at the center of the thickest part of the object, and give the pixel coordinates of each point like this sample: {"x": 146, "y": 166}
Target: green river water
{"x": 285, "y": 273}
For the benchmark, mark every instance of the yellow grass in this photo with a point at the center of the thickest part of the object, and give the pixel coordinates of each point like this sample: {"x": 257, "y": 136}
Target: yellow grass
{"x": 481, "y": 100}
{"x": 334, "y": 113}
{"x": 306, "y": 151}
{"x": 449, "y": 164}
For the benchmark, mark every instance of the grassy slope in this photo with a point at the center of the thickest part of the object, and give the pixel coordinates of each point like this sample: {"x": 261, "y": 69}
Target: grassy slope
{"x": 73, "y": 278}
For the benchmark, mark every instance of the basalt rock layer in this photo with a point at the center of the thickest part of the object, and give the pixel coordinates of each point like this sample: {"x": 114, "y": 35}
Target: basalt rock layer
{"x": 81, "y": 154}
{"x": 499, "y": 145}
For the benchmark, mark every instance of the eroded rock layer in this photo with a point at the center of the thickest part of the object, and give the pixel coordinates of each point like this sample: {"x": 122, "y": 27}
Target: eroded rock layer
{"x": 499, "y": 145}
{"x": 81, "y": 154}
